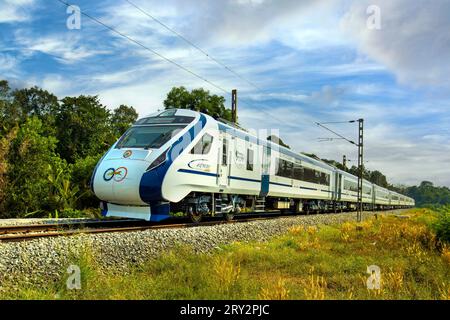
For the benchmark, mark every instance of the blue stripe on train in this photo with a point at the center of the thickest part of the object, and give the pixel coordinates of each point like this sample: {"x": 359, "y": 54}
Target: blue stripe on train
{"x": 151, "y": 182}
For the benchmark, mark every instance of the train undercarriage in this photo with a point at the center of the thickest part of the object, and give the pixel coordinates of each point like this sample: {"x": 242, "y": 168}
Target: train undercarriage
{"x": 199, "y": 205}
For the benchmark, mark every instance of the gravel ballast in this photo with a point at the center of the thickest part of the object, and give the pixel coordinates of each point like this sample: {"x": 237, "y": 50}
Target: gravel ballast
{"x": 41, "y": 260}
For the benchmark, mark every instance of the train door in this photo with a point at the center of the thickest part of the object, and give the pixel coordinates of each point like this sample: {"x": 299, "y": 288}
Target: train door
{"x": 265, "y": 171}
{"x": 224, "y": 161}
{"x": 338, "y": 186}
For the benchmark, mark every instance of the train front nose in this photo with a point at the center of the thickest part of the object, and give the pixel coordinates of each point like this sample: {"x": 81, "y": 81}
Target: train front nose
{"x": 117, "y": 180}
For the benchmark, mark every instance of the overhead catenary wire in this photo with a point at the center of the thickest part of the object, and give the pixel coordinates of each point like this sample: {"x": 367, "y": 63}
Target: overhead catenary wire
{"x": 334, "y": 132}
{"x": 158, "y": 54}
{"x": 114, "y": 30}
{"x": 149, "y": 49}
{"x": 203, "y": 52}
{"x": 192, "y": 44}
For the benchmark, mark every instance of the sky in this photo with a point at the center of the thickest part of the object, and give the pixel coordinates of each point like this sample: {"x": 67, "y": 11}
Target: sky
{"x": 297, "y": 62}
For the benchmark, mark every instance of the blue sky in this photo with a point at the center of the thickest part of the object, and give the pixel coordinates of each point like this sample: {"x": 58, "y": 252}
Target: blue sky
{"x": 311, "y": 61}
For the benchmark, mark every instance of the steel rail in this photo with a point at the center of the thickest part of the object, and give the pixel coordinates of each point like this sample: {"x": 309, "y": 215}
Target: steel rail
{"x": 15, "y": 237}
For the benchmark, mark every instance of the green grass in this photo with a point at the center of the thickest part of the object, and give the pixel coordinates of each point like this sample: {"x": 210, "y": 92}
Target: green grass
{"x": 328, "y": 262}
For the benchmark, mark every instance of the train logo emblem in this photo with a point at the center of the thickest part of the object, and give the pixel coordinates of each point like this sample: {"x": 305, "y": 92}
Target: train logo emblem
{"x": 127, "y": 154}
{"x": 200, "y": 164}
{"x": 118, "y": 175}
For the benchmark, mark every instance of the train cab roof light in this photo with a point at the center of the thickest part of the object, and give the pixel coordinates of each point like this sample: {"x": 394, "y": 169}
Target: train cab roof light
{"x": 158, "y": 161}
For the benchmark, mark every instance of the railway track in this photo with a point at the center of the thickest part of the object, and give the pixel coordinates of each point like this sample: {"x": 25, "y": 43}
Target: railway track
{"x": 18, "y": 233}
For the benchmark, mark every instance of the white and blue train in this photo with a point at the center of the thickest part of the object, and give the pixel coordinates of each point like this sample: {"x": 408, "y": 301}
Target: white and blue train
{"x": 180, "y": 160}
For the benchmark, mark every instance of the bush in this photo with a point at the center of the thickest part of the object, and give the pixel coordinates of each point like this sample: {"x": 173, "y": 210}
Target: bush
{"x": 82, "y": 171}
{"x": 442, "y": 225}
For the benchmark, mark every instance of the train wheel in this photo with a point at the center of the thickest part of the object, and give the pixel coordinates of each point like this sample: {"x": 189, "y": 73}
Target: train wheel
{"x": 195, "y": 217}
{"x": 228, "y": 216}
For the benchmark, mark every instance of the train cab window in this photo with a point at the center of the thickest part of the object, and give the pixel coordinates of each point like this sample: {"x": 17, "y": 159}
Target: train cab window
{"x": 250, "y": 159}
{"x": 148, "y": 136}
{"x": 204, "y": 145}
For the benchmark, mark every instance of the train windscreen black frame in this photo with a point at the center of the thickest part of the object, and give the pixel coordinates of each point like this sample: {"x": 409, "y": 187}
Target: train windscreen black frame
{"x": 148, "y": 137}
{"x": 165, "y": 120}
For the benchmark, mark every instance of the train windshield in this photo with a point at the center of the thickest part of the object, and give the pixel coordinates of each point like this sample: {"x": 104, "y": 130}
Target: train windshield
{"x": 148, "y": 137}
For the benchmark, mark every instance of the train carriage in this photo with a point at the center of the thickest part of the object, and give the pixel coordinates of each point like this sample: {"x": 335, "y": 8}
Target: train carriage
{"x": 184, "y": 161}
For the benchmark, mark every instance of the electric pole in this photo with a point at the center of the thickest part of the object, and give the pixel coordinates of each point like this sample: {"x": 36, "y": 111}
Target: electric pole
{"x": 234, "y": 106}
{"x": 360, "y": 145}
{"x": 360, "y": 167}
{"x": 344, "y": 161}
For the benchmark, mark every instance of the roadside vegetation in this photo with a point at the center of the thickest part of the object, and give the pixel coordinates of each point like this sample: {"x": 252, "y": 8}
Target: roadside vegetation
{"x": 325, "y": 262}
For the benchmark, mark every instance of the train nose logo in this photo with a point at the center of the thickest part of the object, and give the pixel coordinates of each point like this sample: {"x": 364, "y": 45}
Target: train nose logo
{"x": 117, "y": 174}
{"x": 127, "y": 154}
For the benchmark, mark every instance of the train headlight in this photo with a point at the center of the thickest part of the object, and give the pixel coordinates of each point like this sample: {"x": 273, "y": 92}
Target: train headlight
{"x": 158, "y": 161}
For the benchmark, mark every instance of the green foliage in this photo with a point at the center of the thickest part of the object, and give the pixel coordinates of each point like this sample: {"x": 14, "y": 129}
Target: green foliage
{"x": 31, "y": 159}
{"x": 49, "y": 150}
{"x": 324, "y": 262}
{"x": 81, "y": 172}
{"x": 122, "y": 118}
{"x": 198, "y": 100}
{"x": 278, "y": 141}
{"x": 442, "y": 225}
{"x": 63, "y": 194}
{"x": 5, "y": 145}
{"x": 426, "y": 194}
{"x": 83, "y": 128}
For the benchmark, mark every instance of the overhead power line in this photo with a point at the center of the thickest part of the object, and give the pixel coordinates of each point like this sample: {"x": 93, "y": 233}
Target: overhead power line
{"x": 149, "y": 49}
{"x": 339, "y": 135}
{"x": 189, "y": 42}
{"x": 228, "y": 92}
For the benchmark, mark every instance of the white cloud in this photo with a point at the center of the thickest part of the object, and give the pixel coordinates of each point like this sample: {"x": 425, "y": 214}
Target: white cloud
{"x": 7, "y": 62}
{"x": 413, "y": 42}
{"x": 15, "y": 10}
{"x": 67, "y": 48}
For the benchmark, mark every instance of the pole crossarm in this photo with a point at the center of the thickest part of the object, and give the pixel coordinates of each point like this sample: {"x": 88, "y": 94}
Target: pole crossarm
{"x": 339, "y": 135}
{"x": 360, "y": 146}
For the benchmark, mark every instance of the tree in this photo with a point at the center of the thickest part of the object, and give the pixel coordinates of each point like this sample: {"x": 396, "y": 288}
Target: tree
{"x": 278, "y": 141}
{"x": 81, "y": 172}
{"x": 378, "y": 178}
{"x": 122, "y": 118}
{"x": 83, "y": 128}
{"x": 5, "y": 107}
{"x": 198, "y": 100}
{"x": 37, "y": 102}
{"x": 5, "y": 145}
{"x": 32, "y": 158}
{"x": 427, "y": 194}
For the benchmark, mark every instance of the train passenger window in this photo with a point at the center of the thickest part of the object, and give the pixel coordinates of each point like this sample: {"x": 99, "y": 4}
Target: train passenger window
{"x": 204, "y": 145}
{"x": 285, "y": 168}
{"x": 350, "y": 185}
{"x": 250, "y": 159}
{"x": 299, "y": 172}
{"x": 310, "y": 175}
{"x": 324, "y": 179}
